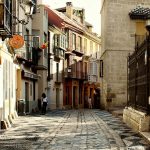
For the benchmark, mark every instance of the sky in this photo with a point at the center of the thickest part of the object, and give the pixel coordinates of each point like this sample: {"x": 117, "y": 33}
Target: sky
{"x": 92, "y": 10}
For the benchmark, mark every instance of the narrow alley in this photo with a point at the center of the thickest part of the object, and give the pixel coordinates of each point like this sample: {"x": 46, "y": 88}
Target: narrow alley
{"x": 71, "y": 130}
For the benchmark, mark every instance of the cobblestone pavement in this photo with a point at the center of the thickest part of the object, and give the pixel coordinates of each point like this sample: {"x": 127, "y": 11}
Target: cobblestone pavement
{"x": 71, "y": 130}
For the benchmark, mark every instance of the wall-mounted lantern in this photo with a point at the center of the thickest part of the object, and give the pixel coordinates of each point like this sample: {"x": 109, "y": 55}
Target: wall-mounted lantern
{"x": 148, "y": 24}
{"x": 28, "y": 6}
{"x": 69, "y": 69}
{"x": 7, "y": 17}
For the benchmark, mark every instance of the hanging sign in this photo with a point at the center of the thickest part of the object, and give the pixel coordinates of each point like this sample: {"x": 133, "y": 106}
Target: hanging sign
{"x": 16, "y": 42}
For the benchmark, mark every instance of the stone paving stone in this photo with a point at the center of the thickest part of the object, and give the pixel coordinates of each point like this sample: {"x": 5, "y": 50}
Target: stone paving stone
{"x": 71, "y": 130}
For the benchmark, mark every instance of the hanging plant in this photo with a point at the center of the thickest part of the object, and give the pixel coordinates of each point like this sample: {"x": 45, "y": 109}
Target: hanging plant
{"x": 45, "y": 45}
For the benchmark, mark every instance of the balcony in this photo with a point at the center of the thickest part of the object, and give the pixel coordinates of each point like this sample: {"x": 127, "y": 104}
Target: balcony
{"x": 78, "y": 53}
{"x": 92, "y": 78}
{"x": 31, "y": 53}
{"x": 58, "y": 54}
{"x": 84, "y": 76}
{"x": 69, "y": 73}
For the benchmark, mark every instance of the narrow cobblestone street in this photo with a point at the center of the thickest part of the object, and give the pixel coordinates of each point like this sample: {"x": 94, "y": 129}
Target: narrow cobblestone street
{"x": 71, "y": 130}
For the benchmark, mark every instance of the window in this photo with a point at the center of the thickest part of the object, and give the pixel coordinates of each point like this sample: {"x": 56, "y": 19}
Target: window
{"x": 57, "y": 71}
{"x": 27, "y": 42}
{"x": 1, "y": 16}
{"x": 74, "y": 66}
{"x": 80, "y": 43}
{"x": 101, "y": 68}
{"x": 5, "y": 15}
{"x": 56, "y": 40}
{"x": 51, "y": 66}
{"x": 36, "y": 41}
{"x": 91, "y": 47}
{"x": 60, "y": 41}
{"x": 94, "y": 68}
{"x": 67, "y": 38}
{"x": 85, "y": 45}
{"x": 30, "y": 89}
{"x": 73, "y": 41}
{"x": 8, "y": 11}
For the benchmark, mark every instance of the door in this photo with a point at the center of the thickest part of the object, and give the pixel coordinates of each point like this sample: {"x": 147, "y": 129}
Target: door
{"x": 27, "y": 96}
{"x": 57, "y": 98}
{"x": 67, "y": 95}
{"x": 74, "y": 96}
{"x": 86, "y": 98}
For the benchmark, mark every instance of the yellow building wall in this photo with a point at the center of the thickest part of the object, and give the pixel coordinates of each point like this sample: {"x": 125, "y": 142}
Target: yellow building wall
{"x": 140, "y": 28}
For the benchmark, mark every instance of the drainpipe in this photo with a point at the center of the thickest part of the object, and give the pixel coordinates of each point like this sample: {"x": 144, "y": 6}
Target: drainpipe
{"x": 2, "y": 103}
{"x": 148, "y": 54}
{"x": 48, "y": 77}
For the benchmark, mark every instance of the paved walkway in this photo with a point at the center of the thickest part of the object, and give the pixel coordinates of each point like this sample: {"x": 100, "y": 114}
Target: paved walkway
{"x": 71, "y": 130}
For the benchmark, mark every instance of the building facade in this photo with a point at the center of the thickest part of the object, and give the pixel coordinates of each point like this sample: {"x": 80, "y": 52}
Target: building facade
{"x": 40, "y": 29}
{"x": 119, "y": 35}
{"x": 81, "y": 59}
{"x": 15, "y": 58}
{"x": 137, "y": 112}
{"x": 118, "y": 41}
{"x": 56, "y": 55}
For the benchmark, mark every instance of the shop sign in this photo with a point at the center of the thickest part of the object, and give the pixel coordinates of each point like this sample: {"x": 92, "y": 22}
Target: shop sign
{"x": 16, "y": 42}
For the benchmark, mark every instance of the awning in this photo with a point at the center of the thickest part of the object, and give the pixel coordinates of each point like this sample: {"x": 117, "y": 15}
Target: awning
{"x": 140, "y": 13}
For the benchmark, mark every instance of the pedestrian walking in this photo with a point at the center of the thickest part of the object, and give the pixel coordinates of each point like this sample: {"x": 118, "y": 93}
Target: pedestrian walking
{"x": 44, "y": 103}
{"x": 90, "y": 102}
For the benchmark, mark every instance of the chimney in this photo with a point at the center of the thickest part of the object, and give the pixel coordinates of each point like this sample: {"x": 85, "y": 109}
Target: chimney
{"x": 83, "y": 16}
{"x": 68, "y": 3}
{"x": 69, "y": 9}
{"x": 90, "y": 29}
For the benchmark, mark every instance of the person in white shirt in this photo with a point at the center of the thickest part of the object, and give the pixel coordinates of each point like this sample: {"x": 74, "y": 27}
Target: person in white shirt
{"x": 44, "y": 103}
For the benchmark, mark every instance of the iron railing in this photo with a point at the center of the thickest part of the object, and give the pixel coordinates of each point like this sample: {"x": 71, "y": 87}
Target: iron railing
{"x": 139, "y": 77}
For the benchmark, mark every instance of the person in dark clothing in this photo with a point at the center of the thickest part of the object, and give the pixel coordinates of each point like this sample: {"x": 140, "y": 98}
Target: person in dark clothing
{"x": 44, "y": 103}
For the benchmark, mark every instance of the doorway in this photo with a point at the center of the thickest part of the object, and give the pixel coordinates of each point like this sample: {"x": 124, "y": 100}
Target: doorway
{"x": 57, "y": 98}
{"x": 27, "y": 96}
{"x": 86, "y": 97}
{"x": 74, "y": 96}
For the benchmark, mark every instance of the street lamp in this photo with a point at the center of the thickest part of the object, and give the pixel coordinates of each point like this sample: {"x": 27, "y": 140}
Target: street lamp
{"x": 7, "y": 16}
{"x": 148, "y": 23}
{"x": 69, "y": 69}
{"x": 28, "y": 6}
